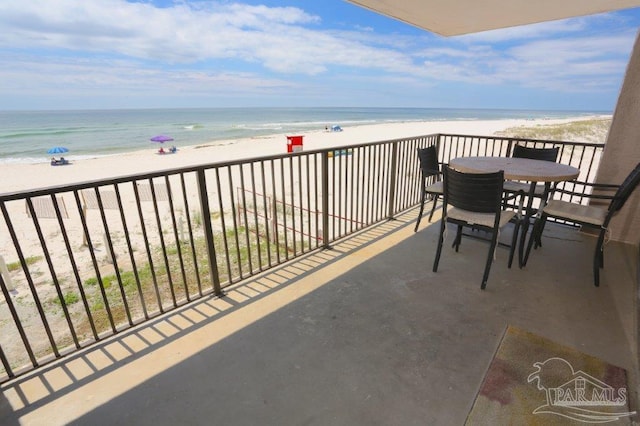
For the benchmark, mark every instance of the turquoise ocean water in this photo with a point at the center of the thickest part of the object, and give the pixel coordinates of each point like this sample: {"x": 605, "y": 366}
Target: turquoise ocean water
{"x": 25, "y": 136}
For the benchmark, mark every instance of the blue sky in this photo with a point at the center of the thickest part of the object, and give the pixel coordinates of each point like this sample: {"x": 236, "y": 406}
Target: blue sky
{"x": 70, "y": 54}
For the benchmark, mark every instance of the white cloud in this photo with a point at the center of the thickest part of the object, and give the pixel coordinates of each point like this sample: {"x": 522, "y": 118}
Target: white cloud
{"x": 583, "y": 61}
{"x": 210, "y": 47}
{"x": 572, "y": 49}
{"x": 540, "y": 30}
{"x": 73, "y": 76}
{"x": 179, "y": 33}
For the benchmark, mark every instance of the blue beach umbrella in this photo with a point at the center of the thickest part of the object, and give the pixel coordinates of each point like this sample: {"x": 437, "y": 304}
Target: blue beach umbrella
{"x": 57, "y": 150}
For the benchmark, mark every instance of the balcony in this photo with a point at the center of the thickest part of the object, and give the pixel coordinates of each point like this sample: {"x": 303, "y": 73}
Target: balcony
{"x": 352, "y": 328}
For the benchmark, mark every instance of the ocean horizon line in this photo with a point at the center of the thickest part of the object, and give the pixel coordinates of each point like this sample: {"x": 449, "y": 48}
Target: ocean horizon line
{"x": 26, "y": 135}
{"x": 300, "y": 108}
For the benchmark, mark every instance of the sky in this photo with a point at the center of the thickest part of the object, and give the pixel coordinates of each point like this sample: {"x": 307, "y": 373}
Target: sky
{"x": 104, "y": 54}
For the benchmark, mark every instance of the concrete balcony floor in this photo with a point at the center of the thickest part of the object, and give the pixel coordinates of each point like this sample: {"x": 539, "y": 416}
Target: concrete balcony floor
{"x": 362, "y": 334}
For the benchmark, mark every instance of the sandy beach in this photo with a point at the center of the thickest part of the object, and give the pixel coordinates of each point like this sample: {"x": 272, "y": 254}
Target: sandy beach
{"x": 153, "y": 228}
{"x": 18, "y": 177}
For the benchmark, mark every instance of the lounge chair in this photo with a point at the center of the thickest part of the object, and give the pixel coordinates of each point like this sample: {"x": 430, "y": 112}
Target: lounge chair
{"x": 61, "y": 162}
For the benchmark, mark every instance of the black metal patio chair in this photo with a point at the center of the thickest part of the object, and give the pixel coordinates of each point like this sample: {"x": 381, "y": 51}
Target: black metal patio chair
{"x": 594, "y": 216}
{"x": 475, "y": 200}
{"x": 544, "y": 154}
{"x": 431, "y": 180}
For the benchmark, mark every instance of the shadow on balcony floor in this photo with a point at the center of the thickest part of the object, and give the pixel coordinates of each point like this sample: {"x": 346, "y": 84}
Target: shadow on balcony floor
{"x": 361, "y": 334}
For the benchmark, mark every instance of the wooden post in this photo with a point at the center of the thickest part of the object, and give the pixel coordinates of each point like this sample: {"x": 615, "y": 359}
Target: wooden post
{"x": 5, "y": 275}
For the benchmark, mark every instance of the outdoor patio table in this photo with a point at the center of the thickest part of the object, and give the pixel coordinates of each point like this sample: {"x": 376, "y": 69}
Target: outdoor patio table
{"x": 533, "y": 171}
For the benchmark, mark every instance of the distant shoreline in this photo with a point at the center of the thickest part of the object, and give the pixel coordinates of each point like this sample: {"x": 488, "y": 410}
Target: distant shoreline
{"x": 16, "y": 177}
{"x": 25, "y": 136}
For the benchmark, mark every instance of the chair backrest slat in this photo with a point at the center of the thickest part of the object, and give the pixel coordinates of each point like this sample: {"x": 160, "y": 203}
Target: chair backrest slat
{"x": 476, "y": 192}
{"x": 429, "y": 161}
{"x": 625, "y": 189}
{"x": 545, "y": 154}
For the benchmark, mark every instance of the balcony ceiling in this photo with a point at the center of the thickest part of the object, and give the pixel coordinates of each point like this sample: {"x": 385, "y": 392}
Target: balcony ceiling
{"x": 456, "y": 17}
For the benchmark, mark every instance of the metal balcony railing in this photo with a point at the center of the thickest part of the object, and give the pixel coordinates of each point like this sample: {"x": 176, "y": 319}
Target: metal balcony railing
{"x": 82, "y": 262}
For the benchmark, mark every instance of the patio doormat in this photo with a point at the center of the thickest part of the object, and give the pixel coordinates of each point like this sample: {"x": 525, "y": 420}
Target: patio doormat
{"x": 535, "y": 381}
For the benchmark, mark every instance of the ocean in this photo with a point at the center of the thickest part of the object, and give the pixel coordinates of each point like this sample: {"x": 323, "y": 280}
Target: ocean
{"x": 25, "y": 136}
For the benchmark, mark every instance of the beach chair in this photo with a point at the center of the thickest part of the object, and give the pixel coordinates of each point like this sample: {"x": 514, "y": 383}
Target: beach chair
{"x": 430, "y": 170}
{"x": 61, "y": 162}
{"x": 593, "y": 216}
{"x": 475, "y": 200}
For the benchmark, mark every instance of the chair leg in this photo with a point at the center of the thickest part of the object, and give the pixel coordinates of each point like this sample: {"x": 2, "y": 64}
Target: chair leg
{"x": 538, "y": 241}
{"x": 487, "y": 268}
{"x": 458, "y": 239}
{"x": 536, "y": 235}
{"x": 514, "y": 241}
{"x": 535, "y": 240}
{"x": 598, "y": 259}
{"x": 440, "y": 242}
{"x": 433, "y": 207}
{"x": 422, "y": 199}
{"x": 602, "y": 252}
